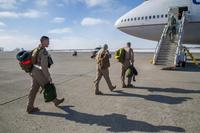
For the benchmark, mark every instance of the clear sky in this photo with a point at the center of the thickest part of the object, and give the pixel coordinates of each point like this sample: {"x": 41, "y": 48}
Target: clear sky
{"x": 69, "y": 23}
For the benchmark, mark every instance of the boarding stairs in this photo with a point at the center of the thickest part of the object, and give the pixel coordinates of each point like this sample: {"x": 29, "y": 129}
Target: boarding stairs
{"x": 168, "y": 51}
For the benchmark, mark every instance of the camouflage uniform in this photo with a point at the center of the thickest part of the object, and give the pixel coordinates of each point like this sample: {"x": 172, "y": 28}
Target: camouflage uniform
{"x": 103, "y": 65}
{"x": 129, "y": 59}
{"x": 40, "y": 77}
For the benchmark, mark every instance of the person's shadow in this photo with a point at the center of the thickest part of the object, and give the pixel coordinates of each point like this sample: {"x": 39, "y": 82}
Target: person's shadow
{"x": 114, "y": 122}
{"x": 155, "y": 98}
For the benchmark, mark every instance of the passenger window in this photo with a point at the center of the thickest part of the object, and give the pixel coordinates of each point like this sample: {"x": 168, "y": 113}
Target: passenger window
{"x": 162, "y": 16}
{"x": 124, "y": 20}
{"x": 166, "y": 15}
{"x": 121, "y": 20}
{"x": 135, "y": 18}
{"x": 154, "y": 16}
{"x": 142, "y": 18}
{"x": 131, "y": 19}
{"x": 146, "y": 17}
{"x": 158, "y": 16}
{"x": 138, "y": 18}
{"x": 128, "y": 19}
{"x": 149, "y": 17}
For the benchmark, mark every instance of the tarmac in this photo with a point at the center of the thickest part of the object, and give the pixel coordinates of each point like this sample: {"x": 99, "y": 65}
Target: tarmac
{"x": 162, "y": 100}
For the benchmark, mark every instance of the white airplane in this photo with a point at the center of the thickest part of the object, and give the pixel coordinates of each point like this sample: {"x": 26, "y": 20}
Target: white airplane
{"x": 147, "y": 21}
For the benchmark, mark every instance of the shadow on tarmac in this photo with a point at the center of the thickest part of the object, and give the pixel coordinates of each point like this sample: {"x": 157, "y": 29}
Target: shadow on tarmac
{"x": 114, "y": 122}
{"x": 169, "y": 90}
{"x": 155, "y": 98}
{"x": 189, "y": 68}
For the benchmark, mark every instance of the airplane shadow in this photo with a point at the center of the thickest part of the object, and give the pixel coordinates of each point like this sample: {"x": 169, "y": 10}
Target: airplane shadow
{"x": 189, "y": 68}
{"x": 169, "y": 90}
{"x": 114, "y": 122}
{"x": 154, "y": 98}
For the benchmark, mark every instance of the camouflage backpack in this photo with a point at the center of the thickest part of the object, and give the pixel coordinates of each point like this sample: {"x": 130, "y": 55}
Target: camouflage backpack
{"x": 103, "y": 60}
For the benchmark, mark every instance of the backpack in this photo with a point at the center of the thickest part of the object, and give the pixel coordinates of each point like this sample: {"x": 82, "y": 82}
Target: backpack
{"x": 27, "y": 59}
{"x": 103, "y": 60}
{"x": 120, "y": 55}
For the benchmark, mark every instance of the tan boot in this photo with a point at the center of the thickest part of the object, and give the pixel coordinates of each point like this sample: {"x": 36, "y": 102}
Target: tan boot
{"x": 98, "y": 93}
{"x": 58, "y": 101}
{"x": 124, "y": 86}
{"x": 32, "y": 110}
{"x": 114, "y": 87}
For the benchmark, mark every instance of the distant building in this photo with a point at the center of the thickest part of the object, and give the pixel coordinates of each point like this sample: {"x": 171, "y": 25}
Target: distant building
{"x": 1, "y": 49}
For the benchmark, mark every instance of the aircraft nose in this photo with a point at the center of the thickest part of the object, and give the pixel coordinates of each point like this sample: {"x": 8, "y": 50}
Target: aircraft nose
{"x": 117, "y": 23}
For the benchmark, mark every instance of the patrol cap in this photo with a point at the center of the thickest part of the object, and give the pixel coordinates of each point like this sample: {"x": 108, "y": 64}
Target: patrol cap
{"x": 105, "y": 46}
{"x": 128, "y": 44}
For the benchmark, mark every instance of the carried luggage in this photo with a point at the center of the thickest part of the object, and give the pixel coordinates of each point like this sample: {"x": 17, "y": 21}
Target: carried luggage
{"x": 120, "y": 55}
{"x": 131, "y": 71}
{"x": 49, "y": 92}
{"x": 135, "y": 72}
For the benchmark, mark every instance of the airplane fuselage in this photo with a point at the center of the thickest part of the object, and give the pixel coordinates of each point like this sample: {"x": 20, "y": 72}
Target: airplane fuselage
{"x": 147, "y": 21}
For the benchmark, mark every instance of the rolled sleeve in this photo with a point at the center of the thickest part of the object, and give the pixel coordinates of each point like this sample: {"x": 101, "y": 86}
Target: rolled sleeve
{"x": 132, "y": 56}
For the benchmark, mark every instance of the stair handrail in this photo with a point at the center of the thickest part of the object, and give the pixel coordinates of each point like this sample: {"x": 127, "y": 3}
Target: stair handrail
{"x": 159, "y": 44}
{"x": 180, "y": 38}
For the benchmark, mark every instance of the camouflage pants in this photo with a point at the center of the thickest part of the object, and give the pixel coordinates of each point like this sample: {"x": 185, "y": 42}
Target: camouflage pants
{"x": 105, "y": 74}
{"x": 38, "y": 80}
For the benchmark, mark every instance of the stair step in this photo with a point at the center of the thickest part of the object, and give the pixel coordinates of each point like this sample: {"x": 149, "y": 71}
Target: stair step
{"x": 166, "y": 64}
{"x": 168, "y": 46}
{"x": 158, "y": 63}
{"x": 164, "y": 61}
{"x": 165, "y": 58}
{"x": 167, "y": 51}
{"x": 166, "y": 55}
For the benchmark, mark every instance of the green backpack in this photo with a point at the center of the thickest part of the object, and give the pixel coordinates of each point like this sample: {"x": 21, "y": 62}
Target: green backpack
{"x": 120, "y": 55}
{"x": 49, "y": 92}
